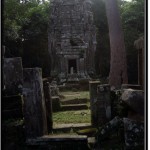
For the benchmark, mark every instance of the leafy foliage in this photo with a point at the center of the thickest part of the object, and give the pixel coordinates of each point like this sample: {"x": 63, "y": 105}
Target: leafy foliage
{"x": 25, "y": 32}
{"x": 132, "y": 14}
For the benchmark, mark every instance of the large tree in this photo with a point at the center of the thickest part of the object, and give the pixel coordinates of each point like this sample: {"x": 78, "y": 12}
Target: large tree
{"x": 102, "y": 56}
{"x": 118, "y": 64}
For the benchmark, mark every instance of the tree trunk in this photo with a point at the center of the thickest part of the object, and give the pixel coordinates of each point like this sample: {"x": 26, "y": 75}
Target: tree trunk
{"x": 118, "y": 64}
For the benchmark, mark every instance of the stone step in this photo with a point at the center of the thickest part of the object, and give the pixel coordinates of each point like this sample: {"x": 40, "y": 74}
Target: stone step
{"x": 67, "y": 127}
{"x": 74, "y": 101}
{"x": 74, "y": 107}
{"x": 69, "y": 86}
{"x": 60, "y": 142}
{"x": 91, "y": 141}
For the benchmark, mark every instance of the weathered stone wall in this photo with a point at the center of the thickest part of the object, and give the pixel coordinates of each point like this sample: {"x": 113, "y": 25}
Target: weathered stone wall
{"x": 72, "y": 36}
{"x": 13, "y": 76}
{"x": 34, "y": 103}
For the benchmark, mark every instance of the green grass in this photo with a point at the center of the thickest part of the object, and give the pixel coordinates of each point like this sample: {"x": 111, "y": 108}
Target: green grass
{"x": 80, "y": 116}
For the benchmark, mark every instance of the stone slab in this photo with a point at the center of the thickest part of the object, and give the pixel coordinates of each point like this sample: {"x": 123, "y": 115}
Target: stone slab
{"x": 74, "y": 107}
{"x": 34, "y": 103}
{"x": 13, "y": 76}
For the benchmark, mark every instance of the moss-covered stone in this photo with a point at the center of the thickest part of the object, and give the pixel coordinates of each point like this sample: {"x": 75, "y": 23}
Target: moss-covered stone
{"x": 134, "y": 134}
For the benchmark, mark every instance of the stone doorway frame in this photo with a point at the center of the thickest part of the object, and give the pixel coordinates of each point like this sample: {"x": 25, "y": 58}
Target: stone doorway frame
{"x": 72, "y": 63}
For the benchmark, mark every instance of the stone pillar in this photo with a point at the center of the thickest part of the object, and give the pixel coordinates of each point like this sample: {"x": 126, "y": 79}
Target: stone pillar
{"x": 34, "y": 103}
{"x": 139, "y": 44}
{"x": 103, "y": 104}
{"x": 82, "y": 67}
{"x": 13, "y": 76}
{"x": 48, "y": 102}
{"x": 93, "y": 101}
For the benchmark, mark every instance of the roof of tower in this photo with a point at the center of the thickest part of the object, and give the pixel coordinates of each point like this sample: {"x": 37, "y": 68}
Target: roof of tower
{"x": 89, "y": 1}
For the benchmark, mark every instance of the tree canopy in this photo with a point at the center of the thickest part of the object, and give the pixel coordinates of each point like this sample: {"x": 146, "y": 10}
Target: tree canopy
{"x": 25, "y": 32}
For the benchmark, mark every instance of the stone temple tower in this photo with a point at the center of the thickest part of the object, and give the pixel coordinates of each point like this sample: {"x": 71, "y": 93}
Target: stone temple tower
{"x": 72, "y": 38}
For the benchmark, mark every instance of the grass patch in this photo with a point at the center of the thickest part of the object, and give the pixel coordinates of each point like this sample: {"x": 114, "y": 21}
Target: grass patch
{"x": 80, "y": 116}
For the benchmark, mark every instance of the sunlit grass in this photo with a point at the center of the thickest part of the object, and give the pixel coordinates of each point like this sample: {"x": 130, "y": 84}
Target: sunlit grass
{"x": 80, "y": 116}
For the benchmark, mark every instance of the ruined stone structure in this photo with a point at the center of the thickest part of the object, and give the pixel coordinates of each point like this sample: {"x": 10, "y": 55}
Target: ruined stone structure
{"x": 13, "y": 76}
{"x": 72, "y": 38}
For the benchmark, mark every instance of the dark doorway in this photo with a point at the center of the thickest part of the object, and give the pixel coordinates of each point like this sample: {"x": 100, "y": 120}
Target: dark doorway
{"x": 72, "y": 63}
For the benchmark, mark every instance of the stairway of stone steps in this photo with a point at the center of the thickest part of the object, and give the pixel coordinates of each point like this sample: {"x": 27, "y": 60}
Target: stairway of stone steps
{"x": 74, "y": 107}
{"x": 77, "y": 103}
{"x": 74, "y": 101}
{"x": 65, "y": 136}
{"x": 74, "y": 104}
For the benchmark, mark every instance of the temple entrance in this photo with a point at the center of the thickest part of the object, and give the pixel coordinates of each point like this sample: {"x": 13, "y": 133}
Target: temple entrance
{"x": 72, "y": 66}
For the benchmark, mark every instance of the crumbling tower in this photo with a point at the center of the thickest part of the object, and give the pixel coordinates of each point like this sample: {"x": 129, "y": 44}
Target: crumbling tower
{"x": 72, "y": 38}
